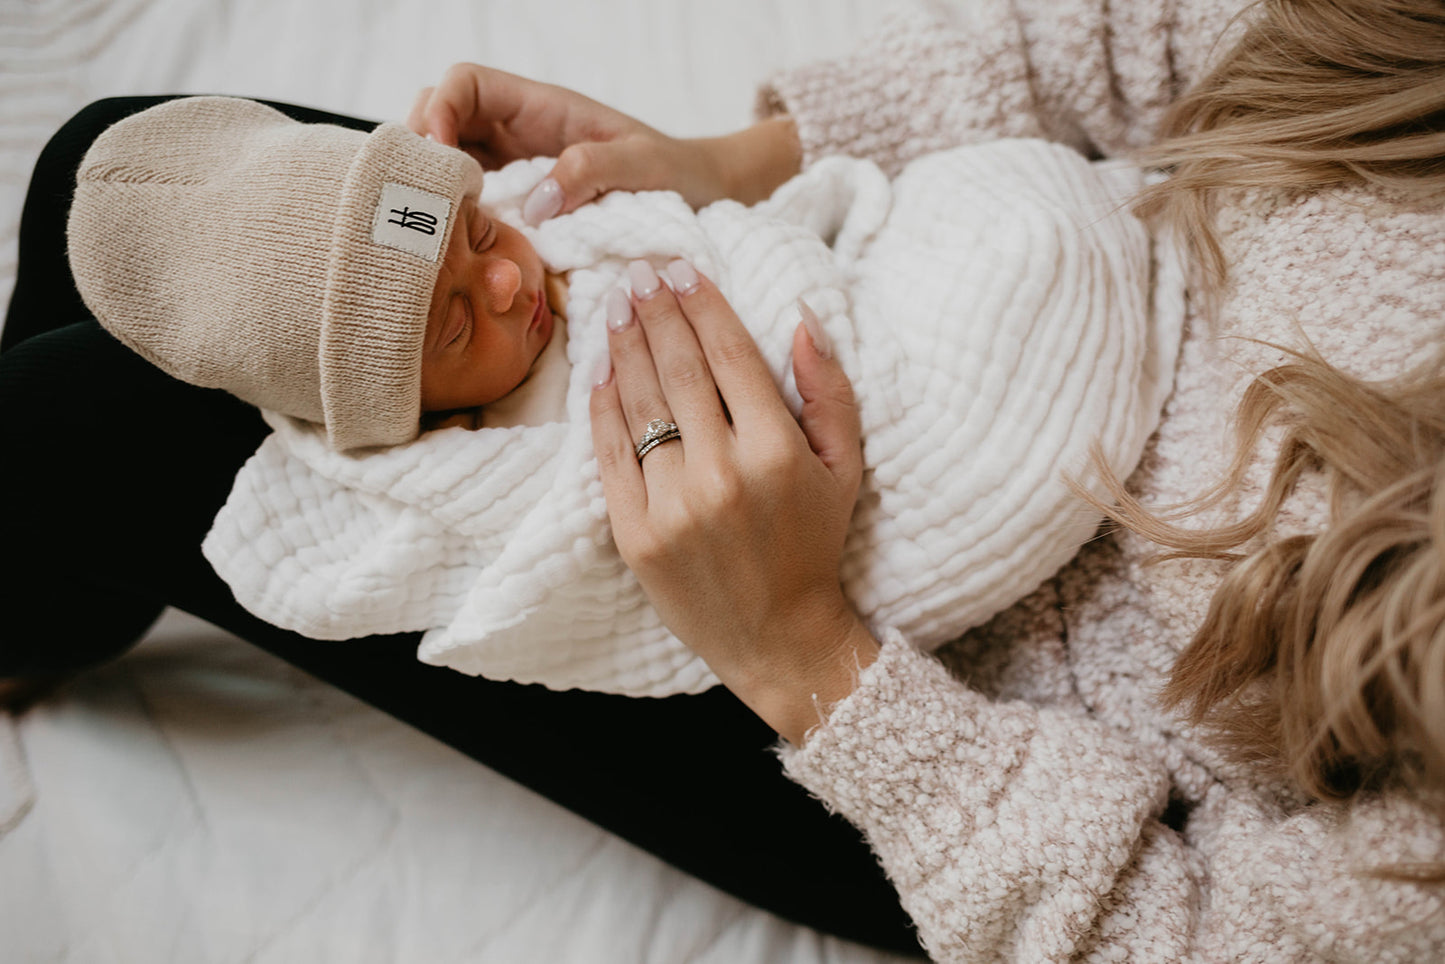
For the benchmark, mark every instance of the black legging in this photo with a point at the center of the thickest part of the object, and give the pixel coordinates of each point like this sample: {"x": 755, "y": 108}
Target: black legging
{"x": 113, "y": 472}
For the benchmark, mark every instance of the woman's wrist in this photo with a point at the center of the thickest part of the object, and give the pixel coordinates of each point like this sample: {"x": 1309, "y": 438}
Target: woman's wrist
{"x": 818, "y": 660}
{"x": 753, "y": 162}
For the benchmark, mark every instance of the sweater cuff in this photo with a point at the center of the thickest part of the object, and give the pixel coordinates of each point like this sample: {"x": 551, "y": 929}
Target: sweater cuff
{"x": 908, "y": 731}
{"x": 903, "y": 95}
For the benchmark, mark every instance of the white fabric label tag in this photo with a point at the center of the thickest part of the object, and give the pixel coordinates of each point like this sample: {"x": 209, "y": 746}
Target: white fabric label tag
{"x": 412, "y": 220}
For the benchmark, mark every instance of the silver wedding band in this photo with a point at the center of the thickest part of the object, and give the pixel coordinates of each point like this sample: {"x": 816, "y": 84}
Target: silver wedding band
{"x": 658, "y": 431}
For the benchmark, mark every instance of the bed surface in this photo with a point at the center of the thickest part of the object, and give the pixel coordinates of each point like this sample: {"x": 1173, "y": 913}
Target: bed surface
{"x": 199, "y": 800}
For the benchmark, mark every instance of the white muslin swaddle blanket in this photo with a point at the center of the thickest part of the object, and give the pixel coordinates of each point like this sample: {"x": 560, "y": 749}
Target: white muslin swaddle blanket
{"x": 996, "y": 306}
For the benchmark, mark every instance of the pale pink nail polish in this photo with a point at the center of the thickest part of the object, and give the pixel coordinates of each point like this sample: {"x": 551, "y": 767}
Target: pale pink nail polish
{"x": 602, "y": 372}
{"x": 645, "y": 282}
{"x": 822, "y": 344}
{"x": 544, "y": 202}
{"x": 619, "y": 310}
{"x": 683, "y": 277}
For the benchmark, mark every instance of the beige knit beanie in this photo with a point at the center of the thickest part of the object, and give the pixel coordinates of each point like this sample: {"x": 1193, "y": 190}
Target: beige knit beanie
{"x": 290, "y": 264}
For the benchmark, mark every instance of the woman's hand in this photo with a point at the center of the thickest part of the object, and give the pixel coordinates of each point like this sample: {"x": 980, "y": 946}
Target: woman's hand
{"x": 736, "y": 529}
{"x": 499, "y": 117}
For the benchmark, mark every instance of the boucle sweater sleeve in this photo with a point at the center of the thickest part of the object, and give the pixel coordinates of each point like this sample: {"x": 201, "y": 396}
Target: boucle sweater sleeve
{"x": 1004, "y": 827}
{"x": 1094, "y": 74}
{"x": 1019, "y": 833}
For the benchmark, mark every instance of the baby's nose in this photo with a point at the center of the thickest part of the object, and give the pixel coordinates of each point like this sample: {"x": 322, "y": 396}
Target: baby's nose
{"x": 503, "y": 281}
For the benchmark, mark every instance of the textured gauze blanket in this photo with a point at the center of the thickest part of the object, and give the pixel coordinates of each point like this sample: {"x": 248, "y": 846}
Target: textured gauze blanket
{"x": 997, "y": 307}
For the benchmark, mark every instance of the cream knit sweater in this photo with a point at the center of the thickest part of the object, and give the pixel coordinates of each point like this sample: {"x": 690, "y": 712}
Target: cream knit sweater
{"x": 1020, "y": 815}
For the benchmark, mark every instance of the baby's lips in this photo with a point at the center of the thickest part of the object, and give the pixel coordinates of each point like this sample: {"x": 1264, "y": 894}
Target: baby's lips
{"x": 540, "y": 311}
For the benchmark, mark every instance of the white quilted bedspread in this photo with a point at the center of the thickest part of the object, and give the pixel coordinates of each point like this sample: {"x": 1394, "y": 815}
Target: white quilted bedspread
{"x": 995, "y": 306}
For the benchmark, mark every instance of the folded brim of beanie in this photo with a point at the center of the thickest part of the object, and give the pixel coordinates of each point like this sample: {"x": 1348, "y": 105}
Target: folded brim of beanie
{"x": 392, "y": 228}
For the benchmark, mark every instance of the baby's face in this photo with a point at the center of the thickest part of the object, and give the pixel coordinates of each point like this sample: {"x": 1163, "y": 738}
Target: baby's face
{"x": 489, "y": 318}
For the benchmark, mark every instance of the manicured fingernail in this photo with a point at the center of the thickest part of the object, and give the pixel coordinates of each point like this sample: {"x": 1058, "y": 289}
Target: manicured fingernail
{"x": 619, "y": 310}
{"x": 822, "y": 344}
{"x": 645, "y": 282}
{"x": 544, "y": 202}
{"x": 602, "y": 372}
{"x": 683, "y": 276}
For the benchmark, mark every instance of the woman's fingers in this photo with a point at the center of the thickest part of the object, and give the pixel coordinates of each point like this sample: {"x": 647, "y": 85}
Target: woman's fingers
{"x": 453, "y": 97}
{"x": 679, "y": 365}
{"x": 735, "y": 532}
{"x": 473, "y": 104}
{"x": 416, "y": 118}
{"x": 658, "y": 372}
{"x": 640, "y": 397}
{"x": 616, "y": 455}
{"x": 498, "y": 117}
{"x": 680, "y": 353}
{"x": 633, "y": 368}
{"x": 443, "y": 113}
{"x": 493, "y": 115}
{"x": 737, "y": 367}
{"x": 830, "y": 417}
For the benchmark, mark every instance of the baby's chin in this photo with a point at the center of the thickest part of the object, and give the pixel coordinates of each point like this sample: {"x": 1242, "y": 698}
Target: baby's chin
{"x": 555, "y": 287}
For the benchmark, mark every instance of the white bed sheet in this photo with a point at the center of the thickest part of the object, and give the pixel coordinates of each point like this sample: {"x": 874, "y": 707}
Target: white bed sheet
{"x": 201, "y": 801}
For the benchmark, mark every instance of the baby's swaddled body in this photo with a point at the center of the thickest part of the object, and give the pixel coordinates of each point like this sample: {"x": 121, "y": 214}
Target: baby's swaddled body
{"x": 997, "y": 308}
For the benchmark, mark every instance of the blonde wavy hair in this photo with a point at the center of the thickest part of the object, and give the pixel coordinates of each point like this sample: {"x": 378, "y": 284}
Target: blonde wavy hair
{"x": 1315, "y": 94}
{"x": 1322, "y": 655}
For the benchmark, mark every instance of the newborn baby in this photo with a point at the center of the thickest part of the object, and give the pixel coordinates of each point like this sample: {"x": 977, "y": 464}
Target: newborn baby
{"x": 344, "y": 278}
{"x": 996, "y": 307}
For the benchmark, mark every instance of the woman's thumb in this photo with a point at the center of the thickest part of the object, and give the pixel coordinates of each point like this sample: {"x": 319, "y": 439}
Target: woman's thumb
{"x": 830, "y": 412}
{"x": 587, "y": 170}
{"x": 582, "y": 172}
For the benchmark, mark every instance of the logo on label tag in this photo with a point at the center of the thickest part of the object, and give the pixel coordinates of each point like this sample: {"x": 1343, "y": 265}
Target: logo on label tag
{"x": 416, "y": 220}
{"x": 411, "y": 220}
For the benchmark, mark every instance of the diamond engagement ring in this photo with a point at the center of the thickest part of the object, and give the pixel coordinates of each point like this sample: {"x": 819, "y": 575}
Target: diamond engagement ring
{"x": 658, "y": 431}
